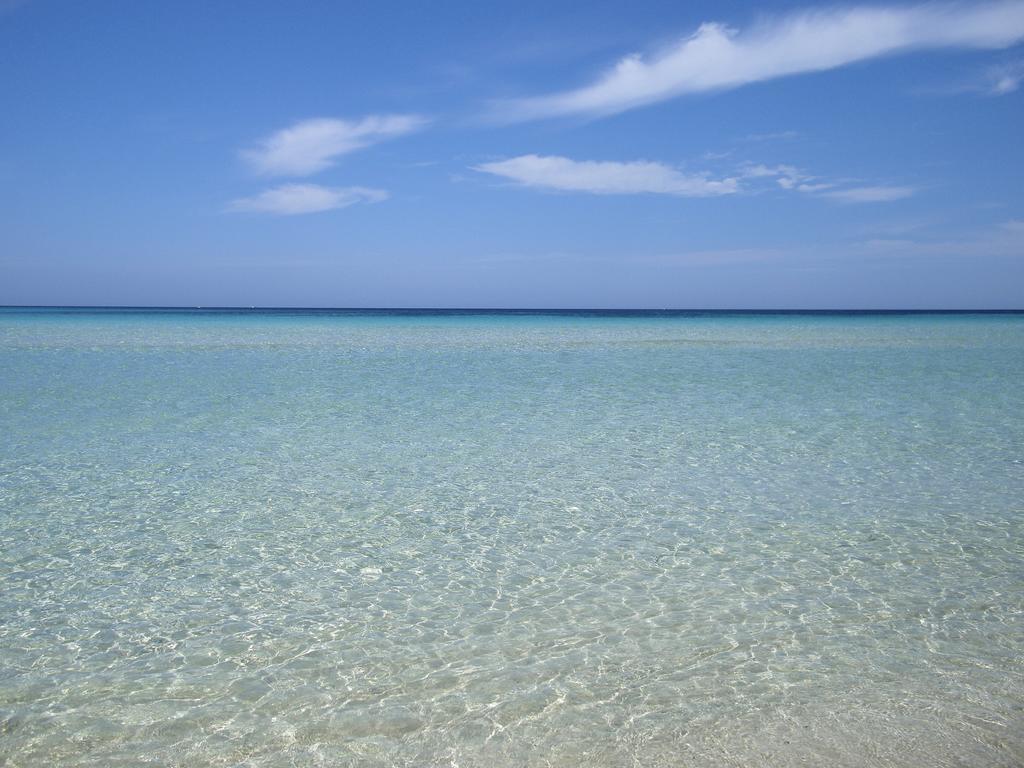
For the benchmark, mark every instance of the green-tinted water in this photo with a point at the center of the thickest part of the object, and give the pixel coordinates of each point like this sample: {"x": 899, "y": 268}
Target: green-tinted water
{"x": 316, "y": 539}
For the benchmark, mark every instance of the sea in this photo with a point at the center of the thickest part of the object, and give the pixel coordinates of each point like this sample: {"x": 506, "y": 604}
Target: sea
{"x": 511, "y": 538}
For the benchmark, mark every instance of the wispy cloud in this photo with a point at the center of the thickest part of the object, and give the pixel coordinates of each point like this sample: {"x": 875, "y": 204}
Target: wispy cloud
{"x": 291, "y": 199}
{"x": 715, "y": 258}
{"x": 310, "y": 146}
{"x": 877, "y": 194}
{"x": 646, "y": 177}
{"x": 718, "y": 57}
{"x": 786, "y": 176}
{"x": 606, "y": 178}
{"x": 774, "y": 136}
{"x": 1004, "y": 79}
{"x": 998, "y": 80}
{"x": 1003, "y": 240}
{"x": 789, "y": 177}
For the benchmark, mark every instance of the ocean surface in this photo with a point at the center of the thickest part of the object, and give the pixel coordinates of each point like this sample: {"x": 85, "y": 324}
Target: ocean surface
{"x": 511, "y": 539}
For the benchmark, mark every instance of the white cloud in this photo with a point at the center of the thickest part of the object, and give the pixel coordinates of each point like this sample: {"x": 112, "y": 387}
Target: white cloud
{"x": 1005, "y": 79}
{"x": 1006, "y": 84}
{"x": 786, "y": 176}
{"x": 997, "y": 80}
{"x": 310, "y": 146}
{"x": 879, "y": 194}
{"x": 615, "y": 178}
{"x": 791, "y": 178}
{"x": 813, "y": 187}
{"x": 291, "y": 199}
{"x": 718, "y": 57}
{"x": 606, "y": 178}
{"x": 775, "y": 136}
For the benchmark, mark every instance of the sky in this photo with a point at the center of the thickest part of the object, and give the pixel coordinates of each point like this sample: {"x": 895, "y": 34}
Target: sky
{"x": 530, "y": 154}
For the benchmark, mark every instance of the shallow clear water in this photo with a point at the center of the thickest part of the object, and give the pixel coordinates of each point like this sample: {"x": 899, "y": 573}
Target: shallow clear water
{"x": 490, "y": 540}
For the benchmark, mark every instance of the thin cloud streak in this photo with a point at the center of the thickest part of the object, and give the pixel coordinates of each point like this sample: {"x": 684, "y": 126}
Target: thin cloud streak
{"x": 791, "y": 178}
{"x": 1005, "y": 79}
{"x": 1002, "y": 241}
{"x": 879, "y": 194}
{"x": 998, "y": 80}
{"x": 776, "y": 136}
{"x": 310, "y": 146}
{"x": 645, "y": 177}
{"x": 717, "y": 57}
{"x": 293, "y": 199}
{"x": 606, "y": 178}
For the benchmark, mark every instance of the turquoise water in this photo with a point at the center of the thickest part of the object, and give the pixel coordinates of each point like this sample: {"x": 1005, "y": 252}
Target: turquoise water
{"x": 301, "y": 539}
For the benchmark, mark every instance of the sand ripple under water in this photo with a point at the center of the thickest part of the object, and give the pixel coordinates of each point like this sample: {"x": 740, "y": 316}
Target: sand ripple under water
{"x": 318, "y": 540}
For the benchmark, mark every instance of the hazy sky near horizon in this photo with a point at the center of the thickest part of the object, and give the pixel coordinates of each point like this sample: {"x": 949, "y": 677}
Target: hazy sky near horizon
{"x": 528, "y": 154}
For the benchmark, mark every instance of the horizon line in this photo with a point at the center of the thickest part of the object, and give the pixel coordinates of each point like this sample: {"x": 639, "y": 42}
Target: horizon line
{"x": 273, "y": 308}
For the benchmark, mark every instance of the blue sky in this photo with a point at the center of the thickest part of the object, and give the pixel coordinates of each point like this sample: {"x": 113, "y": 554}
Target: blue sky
{"x": 529, "y": 154}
